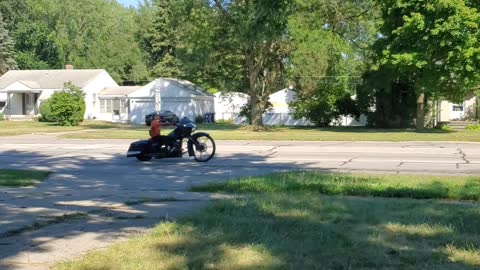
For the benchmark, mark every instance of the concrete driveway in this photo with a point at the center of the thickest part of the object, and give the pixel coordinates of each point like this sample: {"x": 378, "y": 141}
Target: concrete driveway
{"x": 96, "y": 196}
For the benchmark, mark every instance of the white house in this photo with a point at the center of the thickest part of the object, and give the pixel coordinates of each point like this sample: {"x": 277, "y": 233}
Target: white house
{"x": 229, "y": 105}
{"x": 115, "y": 103}
{"x": 179, "y": 96}
{"x": 280, "y": 112}
{"x": 22, "y": 91}
{"x": 466, "y": 110}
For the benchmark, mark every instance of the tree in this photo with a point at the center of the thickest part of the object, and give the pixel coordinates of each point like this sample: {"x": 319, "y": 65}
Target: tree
{"x": 258, "y": 30}
{"x": 331, "y": 40}
{"x": 435, "y": 43}
{"x": 87, "y": 34}
{"x": 161, "y": 41}
{"x": 7, "y": 61}
{"x": 67, "y": 106}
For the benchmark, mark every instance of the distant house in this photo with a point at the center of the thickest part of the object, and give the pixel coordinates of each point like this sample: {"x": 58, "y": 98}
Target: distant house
{"x": 22, "y": 91}
{"x": 182, "y": 97}
{"x": 229, "y": 105}
{"x": 466, "y": 110}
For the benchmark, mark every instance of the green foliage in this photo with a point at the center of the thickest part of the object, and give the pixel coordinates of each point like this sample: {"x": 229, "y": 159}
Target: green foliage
{"x": 161, "y": 39}
{"x": 68, "y": 105}
{"x": 87, "y": 34}
{"x": 473, "y": 127}
{"x": 329, "y": 56}
{"x": 2, "y": 117}
{"x": 446, "y": 128}
{"x": 7, "y": 61}
{"x": 46, "y": 111}
{"x": 434, "y": 43}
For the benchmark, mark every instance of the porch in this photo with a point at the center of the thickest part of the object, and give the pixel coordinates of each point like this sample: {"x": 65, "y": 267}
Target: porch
{"x": 22, "y": 105}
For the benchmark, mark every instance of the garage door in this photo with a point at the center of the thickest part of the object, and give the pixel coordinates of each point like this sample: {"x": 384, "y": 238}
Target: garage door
{"x": 139, "y": 108}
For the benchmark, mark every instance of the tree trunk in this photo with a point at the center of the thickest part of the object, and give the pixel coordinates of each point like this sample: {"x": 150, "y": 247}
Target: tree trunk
{"x": 420, "y": 123}
{"x": 255, "y": 103}
{"x": 256, "y": 112}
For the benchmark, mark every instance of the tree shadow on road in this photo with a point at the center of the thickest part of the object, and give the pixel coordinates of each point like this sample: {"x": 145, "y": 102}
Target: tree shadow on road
{"x": 278, "y": 231}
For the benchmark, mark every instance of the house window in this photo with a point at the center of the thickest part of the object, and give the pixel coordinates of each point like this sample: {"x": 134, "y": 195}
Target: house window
{"x": 116, "y": 106}
{"x": 457, "y": 108}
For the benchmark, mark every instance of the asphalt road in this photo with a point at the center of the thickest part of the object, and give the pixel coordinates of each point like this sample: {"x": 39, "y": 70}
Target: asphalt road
{"x": 96, "y": 196}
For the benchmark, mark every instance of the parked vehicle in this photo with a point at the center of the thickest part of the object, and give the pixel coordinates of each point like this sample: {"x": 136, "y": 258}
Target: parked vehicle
{"x": 166, "y": 118}
{"x": 198, "y": 145}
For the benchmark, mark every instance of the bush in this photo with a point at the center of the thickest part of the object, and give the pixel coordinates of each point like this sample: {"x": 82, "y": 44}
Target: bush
{"x": 447, "y": 128}
{"x": 46, "y": 112}
{"x": 473, "y": 127}
{"x": 2, "y": 117}
{"x": 68, "y": 106}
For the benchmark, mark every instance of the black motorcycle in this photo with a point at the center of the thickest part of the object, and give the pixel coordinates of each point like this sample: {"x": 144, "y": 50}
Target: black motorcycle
{"x": 199, "y": 145}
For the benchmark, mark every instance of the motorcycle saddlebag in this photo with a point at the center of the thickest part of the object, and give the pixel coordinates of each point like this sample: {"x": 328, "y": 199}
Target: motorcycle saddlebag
{"x": 137, "y": 148}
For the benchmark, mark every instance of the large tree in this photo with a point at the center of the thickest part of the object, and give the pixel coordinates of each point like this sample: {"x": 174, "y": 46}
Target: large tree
{"x": 161, "y": 39}
{"x": 435, "y": 43}
{"x": 332, "y": 40}
{"x": 258, "y": 32}
{"x": 7, "y": 61}
{"x": 87, "y": 34}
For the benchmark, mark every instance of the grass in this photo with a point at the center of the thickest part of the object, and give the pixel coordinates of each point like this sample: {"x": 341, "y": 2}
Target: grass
{"x": 289, "y": 227}
{"x": 21, "y": 178}
{"x": 389, "y": 186}
{"x": 12, "y": 128}
{"x": 232, "y": 132}
{"x": 225, "y": 131}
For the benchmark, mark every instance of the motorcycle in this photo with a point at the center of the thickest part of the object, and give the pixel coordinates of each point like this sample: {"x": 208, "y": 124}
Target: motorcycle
{"x": 200, "y": 146}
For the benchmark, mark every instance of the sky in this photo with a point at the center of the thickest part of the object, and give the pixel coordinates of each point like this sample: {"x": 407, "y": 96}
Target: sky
{"x": 128, "y": 3}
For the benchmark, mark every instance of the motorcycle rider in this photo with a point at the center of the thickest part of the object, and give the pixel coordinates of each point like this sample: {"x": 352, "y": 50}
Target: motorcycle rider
{"x": 155, "y": 136}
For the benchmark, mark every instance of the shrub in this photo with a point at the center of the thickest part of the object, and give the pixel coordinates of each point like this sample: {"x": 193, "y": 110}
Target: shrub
{"x": 68, "y": 105}
{"x": 2, "y": 117}
{"x": 473, "y": 127}
{"x": 46, "y": 112}
{"x": 447, "y": 128}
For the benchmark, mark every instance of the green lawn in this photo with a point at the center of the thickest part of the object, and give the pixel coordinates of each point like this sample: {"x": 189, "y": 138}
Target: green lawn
{"x": 11, "y": 128}
{"x": 105, "y": 130}
{"x": 21, "y": 178}
{"x": 388, "y": 186}
{"x": 289, "y": 227}
{"x": 232, "y": 132}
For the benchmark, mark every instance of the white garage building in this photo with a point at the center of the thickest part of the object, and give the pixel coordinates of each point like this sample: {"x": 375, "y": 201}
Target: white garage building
{"x": 179, "y": 96}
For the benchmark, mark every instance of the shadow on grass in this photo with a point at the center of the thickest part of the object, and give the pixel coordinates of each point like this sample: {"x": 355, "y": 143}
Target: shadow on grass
{"x": 285, "y": 231}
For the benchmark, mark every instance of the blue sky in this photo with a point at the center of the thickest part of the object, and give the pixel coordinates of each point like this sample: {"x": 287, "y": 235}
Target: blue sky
{"x": 128, "y": 3}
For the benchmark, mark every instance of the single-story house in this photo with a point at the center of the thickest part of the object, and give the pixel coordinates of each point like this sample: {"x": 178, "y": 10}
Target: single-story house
{"x": 132, "y": 103}
{"x": 229, "y": 105}
{"x": 115, "y": 103}
{"x": 22, "y": 91}
{"x": 467, "y": 110}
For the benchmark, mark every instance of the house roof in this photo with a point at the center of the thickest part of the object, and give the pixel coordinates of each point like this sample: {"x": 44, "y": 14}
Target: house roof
{"x": 119, "y": 91}
{"x": 188, "y": 85}
{"x": 49, "y": 79}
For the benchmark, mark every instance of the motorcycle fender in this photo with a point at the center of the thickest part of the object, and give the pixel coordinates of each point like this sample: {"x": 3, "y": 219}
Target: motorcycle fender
{"x": 136, "y": 148}
{"x": 190, "y": 143}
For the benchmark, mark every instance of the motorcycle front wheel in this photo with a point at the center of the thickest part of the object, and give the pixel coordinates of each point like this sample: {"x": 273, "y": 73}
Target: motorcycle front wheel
{"x": 204, "y": 148}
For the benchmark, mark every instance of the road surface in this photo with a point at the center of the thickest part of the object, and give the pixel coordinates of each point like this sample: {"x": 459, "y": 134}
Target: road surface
{"x": 96, "y": 196}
